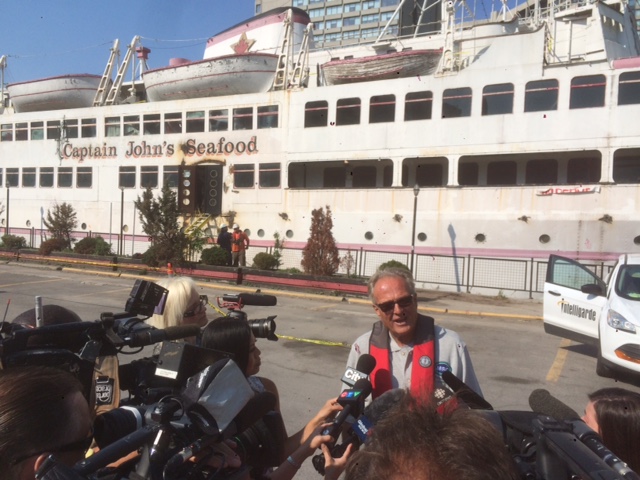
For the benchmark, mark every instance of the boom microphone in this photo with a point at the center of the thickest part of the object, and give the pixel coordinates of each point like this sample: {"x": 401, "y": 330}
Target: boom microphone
{"x": 465, "y": 393}
{"x": 541, "y": 401}
{"x": 366, "y": 364}
{"x": 254, "y": 299}
{"x": 151, "y": 336}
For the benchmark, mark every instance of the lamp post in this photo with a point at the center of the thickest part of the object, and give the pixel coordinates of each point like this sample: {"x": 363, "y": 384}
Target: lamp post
{"x": 6, "y": 230}
{"x": 120, "y": 239}
{"x": 416, "y": 191}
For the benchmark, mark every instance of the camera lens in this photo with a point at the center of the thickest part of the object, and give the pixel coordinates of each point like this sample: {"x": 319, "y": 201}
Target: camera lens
{"x": 264, "y": 328}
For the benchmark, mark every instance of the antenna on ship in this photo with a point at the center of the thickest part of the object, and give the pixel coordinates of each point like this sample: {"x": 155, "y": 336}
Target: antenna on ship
{"x": 3, "y": 65}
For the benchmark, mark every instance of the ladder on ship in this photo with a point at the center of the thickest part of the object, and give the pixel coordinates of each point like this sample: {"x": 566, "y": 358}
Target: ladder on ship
{"x": 112, "y": 95}
{"x": 288, "y": 75}
{"x": 98, "y": 100}
{"x": 117, "y": 83}
{"x": 196, "y": 224}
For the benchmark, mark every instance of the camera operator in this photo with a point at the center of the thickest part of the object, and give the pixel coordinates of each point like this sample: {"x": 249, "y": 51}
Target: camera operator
{"x": 234, "y": 336}
{"x": 42, "y": 412}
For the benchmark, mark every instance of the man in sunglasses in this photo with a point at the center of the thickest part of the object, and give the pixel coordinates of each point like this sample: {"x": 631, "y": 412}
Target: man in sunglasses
{"x": 42, "y": 413}
{"x": 411, "y": 352}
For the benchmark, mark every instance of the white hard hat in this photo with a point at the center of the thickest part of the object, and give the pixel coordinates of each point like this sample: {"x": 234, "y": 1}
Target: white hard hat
{"x": 224, "y": 225}
{"x": 235, "y": 225}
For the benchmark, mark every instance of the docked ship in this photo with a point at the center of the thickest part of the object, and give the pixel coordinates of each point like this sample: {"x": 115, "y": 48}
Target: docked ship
{"x": 513, "y": 137}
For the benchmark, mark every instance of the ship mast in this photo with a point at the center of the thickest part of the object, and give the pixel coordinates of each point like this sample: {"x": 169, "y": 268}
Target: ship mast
{"x": 3, "y": 64}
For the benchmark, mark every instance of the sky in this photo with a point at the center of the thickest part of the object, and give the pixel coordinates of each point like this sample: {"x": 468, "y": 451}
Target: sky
{"x": 45, "y": 38}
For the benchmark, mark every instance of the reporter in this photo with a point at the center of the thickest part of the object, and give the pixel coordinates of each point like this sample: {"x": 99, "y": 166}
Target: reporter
{"x": 183, "y": 306}
{"x": 614, "y": 413}
{"x": 234, "y": 336}
{"x": 42, "y": 412}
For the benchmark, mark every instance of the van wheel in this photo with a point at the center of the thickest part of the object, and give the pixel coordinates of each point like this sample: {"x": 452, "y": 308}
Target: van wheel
{"x": 601, "y": 369}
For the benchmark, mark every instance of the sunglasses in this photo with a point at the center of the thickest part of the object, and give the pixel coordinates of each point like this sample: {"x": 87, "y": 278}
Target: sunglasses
{"x": 388, "y": 307}
{"x": 81, "y": 445}
{"x": 204, "y": 300}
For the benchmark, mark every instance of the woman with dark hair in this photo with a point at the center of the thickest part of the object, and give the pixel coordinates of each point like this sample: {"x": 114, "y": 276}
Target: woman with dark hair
{"x": 614, "y": 413}
{"x": 234, "y": 336}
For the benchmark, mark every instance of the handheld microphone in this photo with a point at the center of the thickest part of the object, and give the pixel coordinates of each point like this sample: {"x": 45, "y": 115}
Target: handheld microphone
{"x": 464, "y": 392}
{"x": 151, "y": 336}
{"x": 376, "y": 411}
{"x": 366, "y": 364}
{"x": 352, "y": 402}
{"x": 541, "y": 401}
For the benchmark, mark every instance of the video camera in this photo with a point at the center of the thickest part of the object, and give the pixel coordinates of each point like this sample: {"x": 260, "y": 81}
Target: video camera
{"x": 261, "y": 328}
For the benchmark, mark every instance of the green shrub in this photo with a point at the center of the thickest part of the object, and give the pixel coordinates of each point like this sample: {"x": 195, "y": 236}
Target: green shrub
{"x": 215, "y": 256}
{"x": 14, "y": 242}
{"x": 159, "y": 255}
{"x": 93, "y": 246}
{"x": 393, "y": 264}
{"x": 265, "y": 261}
{"x": 292, "y": 270}
{"x": 52, "y": 245}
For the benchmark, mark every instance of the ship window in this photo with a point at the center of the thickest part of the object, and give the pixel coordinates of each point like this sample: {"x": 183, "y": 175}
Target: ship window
{"x": 315, "y": 114}
{"x": 348, "y": 111}
{"x": 131, "y": 125}
{"x": 243, "y": 118}
{"x": 65, "y": 176}
{"x": 151, "y": 124}
{"x": 22, "y": 131}
{"x": 1, "y": 173}
{"x": 71, "y": 128}
{"x": 468, "y": 173}
{"x": 37, "y": 130}
{"x": 243, "y": 176}
{"x": 268, "y": 116}
{"x": 626, "y": 166}
{"x": 84, "y": 177}
{"x": 425, "y": 172}
{"x": 629, "y": 88}
{"x": 112, "y": 127}
{"x": 502, "y": 173}
{"x": 127, "y": 177}
{"x": 387, "y": 175}
{"x": 173, "y": 122}
{"x": 29, "y": 177}
{"x": 541, "y": 95}
{"x": 149, "y": 176}
{"x": 88, "y": 129}
{"x": 269, "y": 175}
{"x": 497, "y": 99}
{"x": 170, "y": 176}
{"x": 417, "y": 106}
{"x": 195, "y": 121}
{"x": 363, "y": 177}
{"x": 6, "y": 132}
{"x": 219, "y": 120}
{"x": 587, "y": 91}
{"x": 541, "y": 172}
{"x": 382, "y": 108}
{"x": 13, "y": 177}
{"x": 46, "y": 177}
{"x": 456, "y": 102}
{"x": 333, "y": 177}
{"x": 583, "y": 170}
{"x": 53, "y": 129}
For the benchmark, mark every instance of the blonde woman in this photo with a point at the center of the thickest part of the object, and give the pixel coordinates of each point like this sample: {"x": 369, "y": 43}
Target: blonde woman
{"x": 184, "y": 304}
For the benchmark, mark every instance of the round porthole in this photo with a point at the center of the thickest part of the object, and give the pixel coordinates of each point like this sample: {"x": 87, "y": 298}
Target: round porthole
{"x": 544, "y": 238}
{"x": 481, "y": 238}
{"x": 289, "y": 233}
{"x": 635, "y": 240}
{"x": 422, "y": 236}
{"x": 368, "y": 236}
{"x": 247, "y": 232}
{"x": 28, "y": 223}
{"x": 84, "y": 226}
{"x": 261, "y": 233}
{"x": 125, "y": 228}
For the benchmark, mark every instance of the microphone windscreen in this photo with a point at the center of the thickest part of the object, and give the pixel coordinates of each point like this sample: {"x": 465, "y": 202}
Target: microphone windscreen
{"x": 258, "y": 300}
{"x": 181, "y": 331}
{"x": 364, "y": 386}
{"x": 380, "y": 407}
{"x": 541, "y": 401}
{"x": 464, "y": 392}
{"x": 366, "y": 364}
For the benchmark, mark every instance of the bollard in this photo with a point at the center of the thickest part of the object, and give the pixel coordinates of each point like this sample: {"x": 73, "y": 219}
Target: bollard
{"x": 239, "y": 277}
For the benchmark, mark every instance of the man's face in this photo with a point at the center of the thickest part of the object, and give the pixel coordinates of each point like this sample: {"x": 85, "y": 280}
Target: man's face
{"x": 396, "y": 307}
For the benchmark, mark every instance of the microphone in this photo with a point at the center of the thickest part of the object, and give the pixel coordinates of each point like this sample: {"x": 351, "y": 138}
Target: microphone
{"x": 464, "y": 392}
{"x": 151, "y": 336}
{"x": 376, "y": 411}
{"x": 258, "y": 300}
{"x": 352, "y": 402}
{"x": 366, "y": 364}
{"x": 541, "y": 401}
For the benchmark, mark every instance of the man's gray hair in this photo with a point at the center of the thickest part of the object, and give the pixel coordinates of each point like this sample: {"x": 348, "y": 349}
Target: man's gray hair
{"x": 396, "y": 272}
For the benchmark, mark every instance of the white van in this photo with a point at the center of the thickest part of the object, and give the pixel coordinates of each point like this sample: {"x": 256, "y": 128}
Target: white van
{"x": 580, "y": 306}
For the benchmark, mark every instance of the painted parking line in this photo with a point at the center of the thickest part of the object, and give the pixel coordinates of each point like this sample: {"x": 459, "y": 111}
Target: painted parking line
{"x": 558, "y": 363}
{"x": 29, "y": 283}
